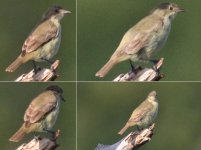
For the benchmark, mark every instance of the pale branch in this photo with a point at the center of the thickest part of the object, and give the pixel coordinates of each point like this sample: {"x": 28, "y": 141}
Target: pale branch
{"x": 143, "y": 74}
{"x": 132, "y": 141}
{"x": 42, "y": 74}
{"x": 41, "y": 143}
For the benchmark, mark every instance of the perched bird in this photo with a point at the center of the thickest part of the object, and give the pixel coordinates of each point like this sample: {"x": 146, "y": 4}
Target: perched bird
{"x": 41, "y": 114}
{"x": 145, "y": 38}
{"x": 144, "y": 114}
{"x": 44, "y": 41}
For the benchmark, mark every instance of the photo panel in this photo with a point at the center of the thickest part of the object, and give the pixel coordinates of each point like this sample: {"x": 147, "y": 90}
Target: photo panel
{"x": 16, "y": 97}
{"x": 29, "y": 21}
{"x": 104, "y": 108}
{"x": 103, "y": 24}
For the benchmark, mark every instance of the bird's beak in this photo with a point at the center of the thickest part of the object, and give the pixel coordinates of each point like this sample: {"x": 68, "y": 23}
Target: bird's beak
{"x": 63, "y": 11}
{"x": 180, "y": 10}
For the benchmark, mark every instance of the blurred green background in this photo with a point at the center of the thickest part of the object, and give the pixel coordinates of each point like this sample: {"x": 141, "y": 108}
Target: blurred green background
{"x": 102, "y": 24}
{"x": 15, "y": 98}
{"x": 18, "y": 18}
{"x": 104, "y": 108}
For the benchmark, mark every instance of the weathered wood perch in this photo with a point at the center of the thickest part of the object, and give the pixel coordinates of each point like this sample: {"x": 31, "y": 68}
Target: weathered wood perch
{"x": 43, "y": 74}
{"x": 132, "y": 141}
{"x": 143, "y": 74}
{"x": 41, "y": 143}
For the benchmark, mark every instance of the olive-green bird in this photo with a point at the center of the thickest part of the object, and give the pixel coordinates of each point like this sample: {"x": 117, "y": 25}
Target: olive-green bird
{"x": 145, "y": 38}
{"x": 44, "y": 41}
{"x": 41, "y": 114}
{"x": 144, "y": 114}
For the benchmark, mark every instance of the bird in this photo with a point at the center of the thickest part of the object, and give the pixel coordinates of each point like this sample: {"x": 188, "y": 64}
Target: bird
{"x": 44, "y": 41}
{"x": 144, "y": 114}
{"x": 145, "y": 38}
{"x": 41, "y": 114}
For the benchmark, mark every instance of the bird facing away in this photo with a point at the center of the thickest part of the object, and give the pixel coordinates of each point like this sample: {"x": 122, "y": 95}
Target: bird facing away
{"x": 41, "y": 113}
{"x": 44, "y": 41}
{"x": 144, "y": 114}
{"x": 145, "y": 38}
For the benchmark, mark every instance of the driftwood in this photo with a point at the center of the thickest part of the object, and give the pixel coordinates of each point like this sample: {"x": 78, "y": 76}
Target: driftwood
{"x": 41, "y": 143}
{"x": 143, "y": 74}
{"x": 43, "y": 74}
{"x": 132, "y": 141}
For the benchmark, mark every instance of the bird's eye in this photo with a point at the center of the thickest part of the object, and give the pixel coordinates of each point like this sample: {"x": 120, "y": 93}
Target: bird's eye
{"x": 171, "y": 8}
{"x": 56, "y": 10}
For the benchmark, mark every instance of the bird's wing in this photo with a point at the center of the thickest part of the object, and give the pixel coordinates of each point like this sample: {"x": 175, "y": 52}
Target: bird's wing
{"x": 140, "y": 112}
{"x": 138, "y": 36}
{"x": 40, "y": 107}
{"x": 43, "y": 33}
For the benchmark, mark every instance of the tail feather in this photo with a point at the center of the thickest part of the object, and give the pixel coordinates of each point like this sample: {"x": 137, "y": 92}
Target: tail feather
{"x": 18, "y": 135}
{"x": 106, "y": 68}
{"x": 12, "y": 67}
{"x": 124, "y": 129}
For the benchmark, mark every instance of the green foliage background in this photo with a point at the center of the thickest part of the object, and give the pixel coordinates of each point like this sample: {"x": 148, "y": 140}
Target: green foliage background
{"x": 18, "y": 18}
{"x": 102, "y": 23}
{"x": 15, "y": 98}
{"x": 104, "y": 108}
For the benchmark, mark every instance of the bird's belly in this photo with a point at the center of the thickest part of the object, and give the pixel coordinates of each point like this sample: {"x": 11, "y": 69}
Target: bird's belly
{"x": 48, "y": 50}
{"x": 51, "y": 119}
{"x": 156, "y": 43}
{"x": 149, "y": 118}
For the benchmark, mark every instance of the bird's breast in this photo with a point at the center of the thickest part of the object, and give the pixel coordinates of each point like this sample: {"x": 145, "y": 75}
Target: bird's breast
{"x": 158, "y": 39}
{"x": 150, "y": 116}
{"x": 51, "y": 118}
{"x": 50, "y": 49}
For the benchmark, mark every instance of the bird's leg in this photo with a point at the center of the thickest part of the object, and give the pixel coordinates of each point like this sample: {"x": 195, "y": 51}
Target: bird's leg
{"x": 50, "y": 62}
{"x": 154, "y": 61}
{"x": 49, "y": 131}
{"x": 36, "y": 137}
{"x": 35, "y": 67}
{"x": 138, "y": 128}
{"x": 132, "y": 67}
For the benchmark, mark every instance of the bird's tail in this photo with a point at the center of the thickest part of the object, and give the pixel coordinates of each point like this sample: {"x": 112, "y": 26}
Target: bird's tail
{"x": 106, "y": 68}
{"x": 12, "y": 67}
{"x": 124, "y": 129}
{"x": 18, "y": 135}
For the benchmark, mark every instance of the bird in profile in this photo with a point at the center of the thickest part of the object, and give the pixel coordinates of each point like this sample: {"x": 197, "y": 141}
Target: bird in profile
{"x": 145, "y": 38}
{"x": 41, "y": 114}
{"x": 144, "y": 114}
{"x": 44, "y": 41}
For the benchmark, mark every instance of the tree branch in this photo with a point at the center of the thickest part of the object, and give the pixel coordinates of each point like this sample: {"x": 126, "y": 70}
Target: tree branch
{"x": 143, "y": 74}
{"x": 43, "y": 74}
{"x": 41, "y": 143}
{"x": 132, "y": 141}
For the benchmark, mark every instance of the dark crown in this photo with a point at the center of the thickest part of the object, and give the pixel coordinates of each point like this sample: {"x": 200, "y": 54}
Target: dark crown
{"x": 164, "y": 5}
{"x": 54, "y": 88}
{"x": 52, "y": 11}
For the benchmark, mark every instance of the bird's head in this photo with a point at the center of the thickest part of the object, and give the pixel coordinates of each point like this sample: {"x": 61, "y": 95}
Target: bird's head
{"x": 55, "y": 12}
{"x": 56, "y": 89}
{"x": 167, "y": 10}
{"x": 152, "y": 96}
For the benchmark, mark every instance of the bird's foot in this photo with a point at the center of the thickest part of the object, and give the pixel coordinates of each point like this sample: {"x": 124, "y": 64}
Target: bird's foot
{"x": 132, "y": 67}
{"x": 36, "y": 68}
{"x": 154, "y": 61}
{"x": 37, "y": 137}
{"x": 51, "y": 132}
{"x": 139, "y": 129}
